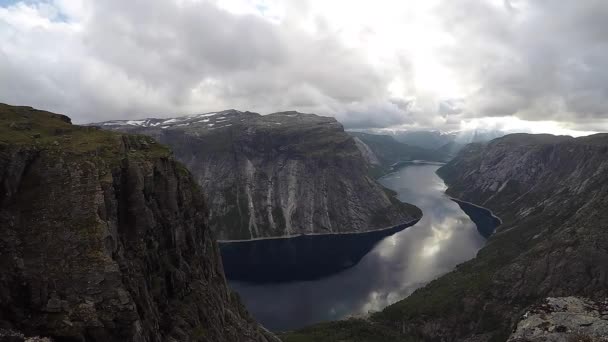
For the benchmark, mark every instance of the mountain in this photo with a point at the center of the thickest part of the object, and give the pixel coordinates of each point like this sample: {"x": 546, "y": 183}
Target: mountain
{"x": 281, "y": 174}
{"x": 104, "y": 237}
{"x": 450, "y": 149}
{"x": 425, "y": 145}
{"x": 434, "y": 140}
{"x": 551, "y": 193}
{"x": 383, "y": 151}
{"x": 431, "y": 140}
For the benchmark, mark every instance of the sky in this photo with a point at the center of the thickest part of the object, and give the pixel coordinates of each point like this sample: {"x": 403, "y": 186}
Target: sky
{"x": 538, "y": 66}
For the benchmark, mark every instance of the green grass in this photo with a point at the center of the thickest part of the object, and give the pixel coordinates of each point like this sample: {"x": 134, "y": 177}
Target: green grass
{"x": 30, "y": 128}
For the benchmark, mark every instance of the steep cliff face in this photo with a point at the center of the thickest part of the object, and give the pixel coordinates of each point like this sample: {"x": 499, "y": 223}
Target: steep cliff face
{"x": 274, "y": 175}
{"x": 104, "y": 238}
{"x": 552, "y": 195}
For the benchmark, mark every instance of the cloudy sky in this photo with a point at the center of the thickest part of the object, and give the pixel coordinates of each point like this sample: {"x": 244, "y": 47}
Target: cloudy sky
{"x": 537, "y": 65}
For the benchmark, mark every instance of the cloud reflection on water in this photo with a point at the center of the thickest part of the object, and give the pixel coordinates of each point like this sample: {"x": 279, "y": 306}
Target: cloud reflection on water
{"x": 392, "y": 270}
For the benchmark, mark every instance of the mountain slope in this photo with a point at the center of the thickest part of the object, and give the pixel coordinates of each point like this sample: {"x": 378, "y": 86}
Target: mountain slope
{"x": 383, "y": 151}
{"x": 552, "y": 194}
{"x": 280, "y": 174}
{"x": 104, "y": 238}
{"x": 434, "y": 140}
{"x": 431, "y": 140}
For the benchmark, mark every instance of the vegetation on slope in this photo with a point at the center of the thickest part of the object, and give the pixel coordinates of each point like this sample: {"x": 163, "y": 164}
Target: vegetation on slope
{"x": 29, "y": 127}
{"x": 551, "y": 193}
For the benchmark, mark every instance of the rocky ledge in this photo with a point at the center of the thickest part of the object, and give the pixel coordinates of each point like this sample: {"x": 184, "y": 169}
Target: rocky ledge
{"x": 564, "y": 319}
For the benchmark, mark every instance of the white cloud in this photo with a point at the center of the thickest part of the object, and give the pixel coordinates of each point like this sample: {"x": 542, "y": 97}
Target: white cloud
{"x": 410, "y": 64}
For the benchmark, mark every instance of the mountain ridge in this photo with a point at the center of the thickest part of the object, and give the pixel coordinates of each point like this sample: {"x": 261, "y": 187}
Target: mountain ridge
{"x": 383, "y": 152}
{"x": 285, "y": 173}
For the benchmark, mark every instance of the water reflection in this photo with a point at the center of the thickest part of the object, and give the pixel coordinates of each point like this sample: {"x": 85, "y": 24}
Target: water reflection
{"x": 301, "y": 258}
{"x": 392, "y": 270}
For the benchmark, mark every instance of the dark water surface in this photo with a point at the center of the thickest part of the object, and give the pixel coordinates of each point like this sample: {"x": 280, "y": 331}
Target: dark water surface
{"x": 380, "y": 269}
{"x": 305, "y": 257}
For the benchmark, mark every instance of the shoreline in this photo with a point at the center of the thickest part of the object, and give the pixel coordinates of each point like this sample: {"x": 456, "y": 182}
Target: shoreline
{"x": 417, "y": 162}
{"x": 406, "y": 224}
{"x": 285, "y": 237}
{"x": 475, "y": 205}
{"x": 467, "y": 202}
{"x": 398, "y": 166}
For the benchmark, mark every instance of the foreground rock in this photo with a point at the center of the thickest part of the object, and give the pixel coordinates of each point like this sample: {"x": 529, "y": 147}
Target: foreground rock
{"x": 276, "y": 175}
{"x": 103, "y": 237}
{"x": 565, "y": 319}
{"x": 16, "y": 336}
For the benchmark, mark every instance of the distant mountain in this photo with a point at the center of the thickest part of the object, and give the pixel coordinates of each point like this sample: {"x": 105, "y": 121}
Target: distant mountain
{"x": 384, "y": 151}
{"x": 445, "y": 143}
{"x": 431, "y": 140}
{"x": 478, "y": 135}
{"x": 450, "y": 149}
{"x": 281, "y": 174}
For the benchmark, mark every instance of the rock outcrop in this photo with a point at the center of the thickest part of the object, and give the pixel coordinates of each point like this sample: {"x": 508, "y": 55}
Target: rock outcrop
{"x": 104, "y": 237}
{"x": 276, "y": 175}
{"x": 564, "y": 319}
{"x": 551, "y": 194}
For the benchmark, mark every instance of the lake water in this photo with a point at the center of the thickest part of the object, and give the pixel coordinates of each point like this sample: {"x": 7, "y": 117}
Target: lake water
{"x": 382, "y": 270}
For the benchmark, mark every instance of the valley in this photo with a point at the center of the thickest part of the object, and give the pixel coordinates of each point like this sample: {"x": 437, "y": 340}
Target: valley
{"x": 551, "y": 192}
{"x": 303, "y": 171}
{"x": 281, "y": 174}
{"x": 107, "y": 236}
{"x": 380, "y": 269}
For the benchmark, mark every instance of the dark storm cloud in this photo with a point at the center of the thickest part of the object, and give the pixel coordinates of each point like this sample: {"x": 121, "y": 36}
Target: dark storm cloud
{"x": 162, "y": 42}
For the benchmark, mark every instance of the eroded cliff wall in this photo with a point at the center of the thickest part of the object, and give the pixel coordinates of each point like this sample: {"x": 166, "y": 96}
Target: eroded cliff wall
{"x": 104, "y": 237}
{"x": 274, "y": 175}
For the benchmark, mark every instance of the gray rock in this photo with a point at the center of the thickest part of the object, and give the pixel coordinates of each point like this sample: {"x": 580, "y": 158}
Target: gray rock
{"x": 563, "y": 319}
{"x": 275, "y": 175}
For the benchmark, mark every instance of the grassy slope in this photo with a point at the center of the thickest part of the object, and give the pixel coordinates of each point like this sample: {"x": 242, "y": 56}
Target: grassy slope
{"x": 31, "y": 128}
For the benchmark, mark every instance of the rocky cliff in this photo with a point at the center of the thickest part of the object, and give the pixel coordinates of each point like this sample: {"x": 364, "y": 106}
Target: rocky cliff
{"x": 552, "y": 194}
{"x": 104, "y": 237}
{"x": 274, "y": 175}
